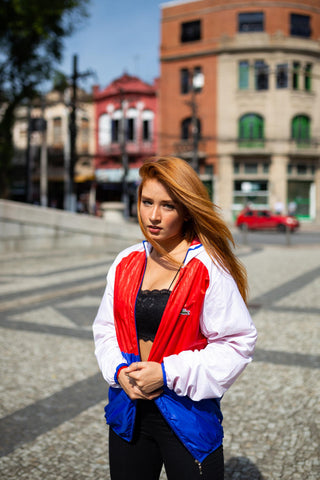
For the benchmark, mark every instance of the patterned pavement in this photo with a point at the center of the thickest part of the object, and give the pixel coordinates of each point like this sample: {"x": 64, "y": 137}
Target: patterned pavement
{"x": 52, "y": 394}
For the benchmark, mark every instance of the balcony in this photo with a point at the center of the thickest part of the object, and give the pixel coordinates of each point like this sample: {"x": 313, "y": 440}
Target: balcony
{"x": 132, "y": 148}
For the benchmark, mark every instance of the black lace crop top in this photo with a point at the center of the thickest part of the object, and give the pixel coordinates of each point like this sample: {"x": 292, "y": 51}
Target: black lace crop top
{"x": 150, "y": 306}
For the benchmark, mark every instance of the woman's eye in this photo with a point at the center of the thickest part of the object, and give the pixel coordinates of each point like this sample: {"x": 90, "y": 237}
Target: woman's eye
{"x": 169, "y": 206}
{"x": 146, "y": 202}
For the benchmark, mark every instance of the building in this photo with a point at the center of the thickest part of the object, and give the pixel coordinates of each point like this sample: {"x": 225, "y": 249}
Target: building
{"x": 41, "y": 137}
{"x": 126, "y": 126}
{"x": 252, "y": 125}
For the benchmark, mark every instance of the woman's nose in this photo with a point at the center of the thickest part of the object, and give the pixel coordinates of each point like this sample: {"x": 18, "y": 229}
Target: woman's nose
{"x": 155, "y": 213}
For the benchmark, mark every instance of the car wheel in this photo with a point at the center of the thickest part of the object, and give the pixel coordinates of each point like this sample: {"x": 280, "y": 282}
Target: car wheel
{"x": 244, "y": 227}
{"x": 281, "y": 227}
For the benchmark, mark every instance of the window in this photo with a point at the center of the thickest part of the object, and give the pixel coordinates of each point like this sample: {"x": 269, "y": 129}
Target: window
{"x": 300, "y": 129}
{"x": 184, "y": 80}
{"x": 243, "y": 75}
{"x": 209, "y": 169}
{"x": 131, "y": 115}
{"x": 251, "y": 130}
{"x": 130, "y": 130}
{"x": 104, "y": 126}
{"x": 302, "y": 169}
{"x": 295, "y": 75}
{"x": 300, "y": 25}
{"x": 250, "y": 168}
{"x": 251, "y": 22}
{"x": 261, "y": 75}
{"x": 307, "y": 77}
{"x": 115, "y": 130}
{"x": 187, "y": 129}
{"x": 282, "y": 75}
{"x": 57, "y": 131}
{"x": 191, "y": 31}
{"x": 116, "y": 126}
{"x": 147, "y": 125}
{"x": 146, "y": 134}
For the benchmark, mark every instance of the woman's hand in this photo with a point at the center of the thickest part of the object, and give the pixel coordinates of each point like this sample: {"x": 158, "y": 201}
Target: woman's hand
{"x": 142, "y": 380}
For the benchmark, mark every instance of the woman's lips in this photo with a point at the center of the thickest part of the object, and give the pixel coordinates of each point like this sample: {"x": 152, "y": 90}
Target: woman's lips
{"x": 153, "y": 229}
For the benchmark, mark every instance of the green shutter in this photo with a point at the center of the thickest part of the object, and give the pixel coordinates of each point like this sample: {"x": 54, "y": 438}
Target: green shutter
{"x": 251, "y": 131}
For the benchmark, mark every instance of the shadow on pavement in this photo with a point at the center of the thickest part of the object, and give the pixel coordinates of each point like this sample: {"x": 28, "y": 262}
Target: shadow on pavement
{"x": 241, "y": 468}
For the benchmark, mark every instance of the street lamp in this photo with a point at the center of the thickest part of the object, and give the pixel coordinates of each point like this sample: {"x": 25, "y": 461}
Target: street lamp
{"x": 196, "y": 85}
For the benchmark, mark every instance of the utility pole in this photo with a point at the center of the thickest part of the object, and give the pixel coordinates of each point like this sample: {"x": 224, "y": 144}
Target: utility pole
{"x": 71, "y": 203}
{"x": 124, "y": 158}
{"x": 28, "y": 158}
{"x": 71, "y": 194}
{"x": 43, "y": 159}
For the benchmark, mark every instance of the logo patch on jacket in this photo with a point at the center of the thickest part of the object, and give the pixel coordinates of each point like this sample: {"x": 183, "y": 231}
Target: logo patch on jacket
{"x": 184, "y": 311}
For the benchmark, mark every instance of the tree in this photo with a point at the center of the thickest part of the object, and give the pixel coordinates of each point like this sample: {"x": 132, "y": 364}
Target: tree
{"x": 31, "y": 43}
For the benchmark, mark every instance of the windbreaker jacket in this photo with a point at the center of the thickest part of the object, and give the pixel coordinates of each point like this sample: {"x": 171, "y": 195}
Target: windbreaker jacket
{"x": 205, "y": 339}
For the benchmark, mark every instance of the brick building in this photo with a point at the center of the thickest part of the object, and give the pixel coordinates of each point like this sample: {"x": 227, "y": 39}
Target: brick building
{"x": 125, "y": 134}
{"x": 253, "y": 123}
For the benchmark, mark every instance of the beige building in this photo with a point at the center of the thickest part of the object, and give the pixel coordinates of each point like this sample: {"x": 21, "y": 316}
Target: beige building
{"x": 258, "y": 110}
{"x": 47, "y": 151}
{"x": 278, "y": 163}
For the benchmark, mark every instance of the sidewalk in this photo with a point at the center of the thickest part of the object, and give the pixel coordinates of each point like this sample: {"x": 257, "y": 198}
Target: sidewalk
{"x": 52, "y": 394}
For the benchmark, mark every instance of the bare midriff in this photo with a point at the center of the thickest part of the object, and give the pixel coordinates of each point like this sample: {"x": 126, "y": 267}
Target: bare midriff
{"x": 145, "y": 348}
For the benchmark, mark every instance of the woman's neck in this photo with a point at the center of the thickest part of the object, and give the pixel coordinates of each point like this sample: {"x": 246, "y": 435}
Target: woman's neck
{"x": 176, "y": 251}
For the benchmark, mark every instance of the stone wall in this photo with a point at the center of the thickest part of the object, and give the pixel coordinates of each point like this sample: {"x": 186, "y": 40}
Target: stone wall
{"x": 28, "y": 227}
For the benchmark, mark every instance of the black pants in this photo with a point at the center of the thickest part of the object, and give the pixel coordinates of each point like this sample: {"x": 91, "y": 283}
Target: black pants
{"x": 155, "y": 444}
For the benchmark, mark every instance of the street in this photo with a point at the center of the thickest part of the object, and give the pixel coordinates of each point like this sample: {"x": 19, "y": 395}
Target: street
{"x": 53, "y": 396}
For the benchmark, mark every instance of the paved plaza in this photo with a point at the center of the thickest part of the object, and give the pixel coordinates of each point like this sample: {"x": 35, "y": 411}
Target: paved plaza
{"x": 52, "y": 394}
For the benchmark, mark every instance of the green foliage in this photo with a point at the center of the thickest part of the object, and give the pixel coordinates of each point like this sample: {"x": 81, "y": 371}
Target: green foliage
{"x": 31, "y": 43}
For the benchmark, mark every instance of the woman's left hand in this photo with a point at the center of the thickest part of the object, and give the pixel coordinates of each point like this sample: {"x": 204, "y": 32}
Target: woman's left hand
{"x": 146, "y": 375}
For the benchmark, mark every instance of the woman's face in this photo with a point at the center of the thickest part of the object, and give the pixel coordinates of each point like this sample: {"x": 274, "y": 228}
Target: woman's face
{"x": 161, "y": 216}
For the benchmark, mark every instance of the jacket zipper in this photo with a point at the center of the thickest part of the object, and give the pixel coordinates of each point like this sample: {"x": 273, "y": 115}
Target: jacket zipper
{"x": 199, "y": 465}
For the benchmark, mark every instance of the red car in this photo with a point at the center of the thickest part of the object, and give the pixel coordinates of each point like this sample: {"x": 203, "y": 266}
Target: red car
{"x": 266, "y": 220}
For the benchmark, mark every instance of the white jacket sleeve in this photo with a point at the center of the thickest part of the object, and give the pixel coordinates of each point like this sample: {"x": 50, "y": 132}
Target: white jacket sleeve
{"x": 107, "y": 350}
{"x": 227, "y": 324}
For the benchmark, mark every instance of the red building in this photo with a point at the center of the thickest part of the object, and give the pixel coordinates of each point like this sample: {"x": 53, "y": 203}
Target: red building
{"x": 125, "y": 133}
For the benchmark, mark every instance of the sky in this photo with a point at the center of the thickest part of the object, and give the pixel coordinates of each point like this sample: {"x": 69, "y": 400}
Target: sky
{"x": 119, "y": 36}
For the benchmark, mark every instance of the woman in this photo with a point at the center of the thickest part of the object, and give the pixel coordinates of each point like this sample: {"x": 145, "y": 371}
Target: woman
{"x": 172, "y": 332}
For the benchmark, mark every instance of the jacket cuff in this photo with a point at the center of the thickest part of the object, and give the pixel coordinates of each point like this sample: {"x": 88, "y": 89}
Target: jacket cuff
{"x": 119, "y": 367}
{"x": 164, "y": 375}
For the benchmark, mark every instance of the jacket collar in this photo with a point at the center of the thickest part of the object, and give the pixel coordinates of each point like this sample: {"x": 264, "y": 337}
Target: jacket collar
{"x": 194, "y": 250}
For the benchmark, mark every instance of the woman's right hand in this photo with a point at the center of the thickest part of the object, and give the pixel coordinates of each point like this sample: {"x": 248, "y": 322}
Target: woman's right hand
{"x": 132, "y": 389}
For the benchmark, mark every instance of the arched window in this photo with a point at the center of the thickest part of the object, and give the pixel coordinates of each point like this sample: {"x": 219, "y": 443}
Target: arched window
{"x": 251, "y": 130}
{"x": 300, "y": 129}
{"x": 116, "y": 126}
{"x": 104, "y": 125}
{"x": 147, "y": 125}
{"x": 187, "y": 129}
{"x": 131, "y": 117}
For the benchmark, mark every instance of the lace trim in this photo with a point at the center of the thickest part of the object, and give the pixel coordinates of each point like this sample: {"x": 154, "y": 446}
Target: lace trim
{"x": 155, "y": 291}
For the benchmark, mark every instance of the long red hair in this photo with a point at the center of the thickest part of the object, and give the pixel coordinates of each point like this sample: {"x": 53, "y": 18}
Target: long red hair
{"x": 203, "y": 222}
